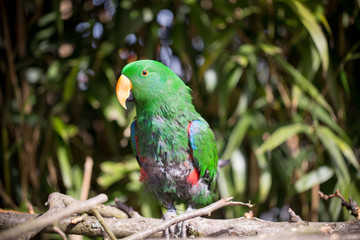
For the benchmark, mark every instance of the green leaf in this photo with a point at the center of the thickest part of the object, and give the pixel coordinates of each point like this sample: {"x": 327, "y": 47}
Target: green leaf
{"x": 215, "y": 49}
{"x": 234, "y": 78}
{"x": 270, "y": 49}
{"x": 224, "y": 182}
{"x": 53, "y": 71}
{"x": 304, "y": 84}
{"x": 335, "y": 205}
{"x": 65, "y": 131}
{"x": 113, "y": 172}
{"x": 237, "y": 134}
{"x": 315, "y": 177}
{"x": 45, "y": 33}
{"x": 46, "y": 19}
{"x": 343, "y": 146}
{"x": 238, "y": 167}
{"x": 347, "y": 190}
{"x": 114, "y": 112}
{"x": 329, "y": 141}
{"x": 319, "y": 113}
{"x": 69, "y": 87}
{"x": 63, "y": 155}
{"x": 345, "y": 82}
{"x": 314, "y": 29}
{"x": 281, "y": 135}
{"x": 77, "y": 179}
{"x": 265, "y": 180}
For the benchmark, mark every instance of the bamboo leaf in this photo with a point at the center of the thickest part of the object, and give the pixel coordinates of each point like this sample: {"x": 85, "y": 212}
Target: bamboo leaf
{"x": 315, "y": 177}
{"x": 281, "y": 135}
{"x": 342, "y": 146}
{"x": 319, "y": 113}
{"x": 69, "y": 86}
{"x": 317, "y": 35}
{"x": 270, "y": 49}
{"x": 345, "y": 82}
{"x": 63, "y": 155}
{"x": 215, "y": 49}
{"x": 265, "y": 180}
{"x": 329, "y": 141}
{"x": 304, "y": 84}
{"x": 238, "y": 167}
{"x": 65, "y": 131}
{"x": 237, "y": 135}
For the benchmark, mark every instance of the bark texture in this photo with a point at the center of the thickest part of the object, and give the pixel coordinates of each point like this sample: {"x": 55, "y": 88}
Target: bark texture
{"x": 199, "y": 227}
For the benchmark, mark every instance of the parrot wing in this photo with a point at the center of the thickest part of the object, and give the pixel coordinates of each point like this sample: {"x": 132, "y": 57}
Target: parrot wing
{"x": 134, "y": 141}
{"x": 203, "y": 147}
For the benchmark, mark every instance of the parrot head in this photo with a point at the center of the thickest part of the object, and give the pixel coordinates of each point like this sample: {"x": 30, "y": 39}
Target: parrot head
{"x": 150, "y": 84}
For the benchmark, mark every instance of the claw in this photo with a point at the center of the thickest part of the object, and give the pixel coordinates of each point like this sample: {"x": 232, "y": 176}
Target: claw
{"x": 171, "y": 231}
{"x": 184, "y": 229}
{"x": 184, "y": 225}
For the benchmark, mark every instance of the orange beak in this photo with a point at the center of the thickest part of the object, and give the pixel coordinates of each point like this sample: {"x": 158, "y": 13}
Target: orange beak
{"x": 123, "y": 88}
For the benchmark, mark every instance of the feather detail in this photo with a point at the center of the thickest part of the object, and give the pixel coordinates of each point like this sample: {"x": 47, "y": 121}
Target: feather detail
{"x": 193, "y": 177}
{"x": 143, "y": 175}
{"x": 173, "y": 144}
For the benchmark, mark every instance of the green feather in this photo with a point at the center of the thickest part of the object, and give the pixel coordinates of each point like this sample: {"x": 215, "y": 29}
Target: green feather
{"x": 161, "y": 95}
{"x": 164, "y": 111}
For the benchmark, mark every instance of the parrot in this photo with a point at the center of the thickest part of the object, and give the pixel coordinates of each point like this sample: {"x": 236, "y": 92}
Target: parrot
{"x": 174, "y": 146}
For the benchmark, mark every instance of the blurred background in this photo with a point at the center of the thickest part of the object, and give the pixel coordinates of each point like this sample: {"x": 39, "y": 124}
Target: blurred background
{"x": 277, "y": 80}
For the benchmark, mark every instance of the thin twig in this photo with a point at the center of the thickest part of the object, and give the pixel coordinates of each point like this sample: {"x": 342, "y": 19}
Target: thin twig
{"x": 54, "y": 214}
{"x": 125, "y": 208}
{"x": 61, "y": 233}
{"x": 85, "y": 187}
{"x": 350, "y": 205}
{"x": 111, "y": 211}
{"x": 103, "y": 223}
{"x": 196, "y": 213}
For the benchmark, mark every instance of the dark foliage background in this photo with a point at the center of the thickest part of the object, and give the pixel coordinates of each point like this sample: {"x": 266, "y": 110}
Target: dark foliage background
{"x": 277, "y": 81}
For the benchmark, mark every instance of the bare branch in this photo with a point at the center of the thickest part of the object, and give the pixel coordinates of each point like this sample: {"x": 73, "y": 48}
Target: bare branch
{"x": 127, "y": 209}
{"x": 60, "y": 206}
{"x": 237, "y": 227}
{"x": 196, "y": 213}
{"x": 141, "y": 227}
{"x": 61, "y": 233}
{"x": 87, "y": 178}
{"x": 103, "y": 223}
{"x": 350, "y": 205}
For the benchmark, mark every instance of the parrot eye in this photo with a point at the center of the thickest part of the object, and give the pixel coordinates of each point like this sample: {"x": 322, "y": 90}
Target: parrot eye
{"x": 144, "y": 72}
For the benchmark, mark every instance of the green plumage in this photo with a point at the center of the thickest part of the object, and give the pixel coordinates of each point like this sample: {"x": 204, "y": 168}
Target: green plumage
{"x": 173, "y": 143}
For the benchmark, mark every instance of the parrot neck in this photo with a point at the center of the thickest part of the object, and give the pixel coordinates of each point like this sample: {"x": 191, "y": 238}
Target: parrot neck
{"x": 165, "y": 105}
{"x": 168, "y": 109}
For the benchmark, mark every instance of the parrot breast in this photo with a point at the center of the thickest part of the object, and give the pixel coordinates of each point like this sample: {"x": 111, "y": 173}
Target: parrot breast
{"x": 164, "y": 154}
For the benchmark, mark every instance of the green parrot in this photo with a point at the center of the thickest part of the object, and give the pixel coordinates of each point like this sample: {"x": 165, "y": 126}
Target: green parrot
{"x": 173, "y": 144}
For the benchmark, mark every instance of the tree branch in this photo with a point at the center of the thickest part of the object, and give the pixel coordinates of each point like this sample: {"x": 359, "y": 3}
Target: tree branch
{"x": 350, "y": 205}
{"x": 237, "y": 227}
{"x": 196, "y": 213}
{"x": 127, "y": 209}
{"x": 60, "y": 206}
{"x": 103, "y": 223}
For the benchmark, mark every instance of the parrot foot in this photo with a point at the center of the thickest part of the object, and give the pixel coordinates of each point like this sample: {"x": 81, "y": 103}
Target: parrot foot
{"x": 173, "y": 230}
{"x": 184, "y": 225}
